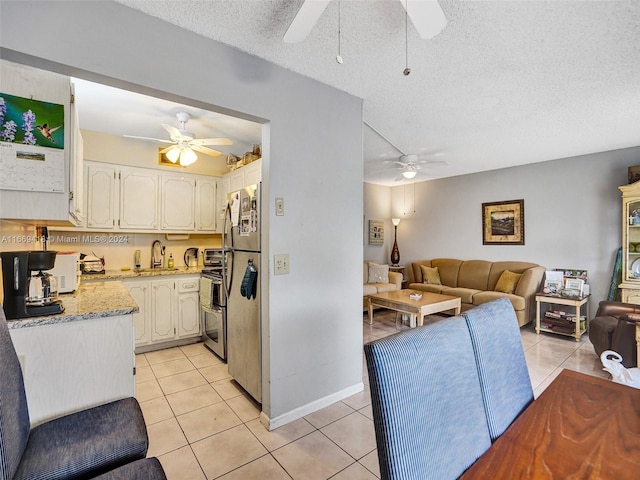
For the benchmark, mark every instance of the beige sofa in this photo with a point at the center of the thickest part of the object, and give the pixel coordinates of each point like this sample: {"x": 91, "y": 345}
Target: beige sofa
{"x": 474, "y": 281}
{"x": 394, "y": 283}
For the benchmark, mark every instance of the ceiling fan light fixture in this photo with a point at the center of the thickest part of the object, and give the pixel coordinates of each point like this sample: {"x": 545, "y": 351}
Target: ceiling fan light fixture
{"x": 187, "y": 157}
{"x": 173, "y": 154}
{"x": 409, "y": 174}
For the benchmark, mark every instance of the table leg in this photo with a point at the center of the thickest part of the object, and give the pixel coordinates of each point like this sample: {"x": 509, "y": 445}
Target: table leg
{"x": 538, "y": 316}
{"x": 413, "y": 319}
{"x": 577, "y": 322}
{"x": 370, "y": 313}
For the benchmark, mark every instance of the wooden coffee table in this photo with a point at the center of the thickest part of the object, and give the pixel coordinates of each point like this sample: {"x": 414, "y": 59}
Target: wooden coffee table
{"x": 400, "y": 302}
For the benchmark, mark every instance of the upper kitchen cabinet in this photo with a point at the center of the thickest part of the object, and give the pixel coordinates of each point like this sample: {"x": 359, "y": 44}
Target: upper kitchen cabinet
{"x": 242, "y": 177}
{"x": 40, "y": 161}
{"x": 177, "y": 202}
{"x": 207, "y": 202}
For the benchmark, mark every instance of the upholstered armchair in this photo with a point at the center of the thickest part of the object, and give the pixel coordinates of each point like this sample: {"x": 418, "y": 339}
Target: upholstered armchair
{"x": 109, "y": 440}
{"x": 614, "y": 328}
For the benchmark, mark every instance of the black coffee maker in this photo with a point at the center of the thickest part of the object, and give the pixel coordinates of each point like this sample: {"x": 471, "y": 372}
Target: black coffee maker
{"x": 26, "y": 295}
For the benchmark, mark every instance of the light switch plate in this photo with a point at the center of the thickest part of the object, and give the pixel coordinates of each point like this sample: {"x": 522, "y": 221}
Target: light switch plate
{"x": 281, "y": 264}
{"x": 279, "y": 206}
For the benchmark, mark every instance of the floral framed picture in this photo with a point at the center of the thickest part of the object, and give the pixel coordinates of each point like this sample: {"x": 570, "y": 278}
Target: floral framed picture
{"x": 503, "y": 223}
{"x": 376, "y": 232}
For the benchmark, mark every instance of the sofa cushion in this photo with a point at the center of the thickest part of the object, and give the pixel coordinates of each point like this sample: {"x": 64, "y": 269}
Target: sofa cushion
{"x": 448, "y": 269}
{"x": 378, "y": 273}
{"x": 474, "y": 274}
{"x": 466, "y": 294}
{"x": 369, "y": 289}
{"x": 507, "y": 282}
{"x": 517, "y": 267}
{"x": 518, "y": 302}
{"x": 430, "y": 275}
{"x": 427, "y": 287}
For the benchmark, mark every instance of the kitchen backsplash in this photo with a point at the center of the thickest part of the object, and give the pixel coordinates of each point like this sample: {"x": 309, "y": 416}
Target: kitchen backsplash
{"x": 117, "y": 248}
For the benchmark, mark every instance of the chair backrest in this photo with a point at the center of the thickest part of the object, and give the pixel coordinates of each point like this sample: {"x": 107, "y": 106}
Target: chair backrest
{"x": 502, "y": 368}
{"x": 427, "y": 405}
{"x": 14, "y": 416}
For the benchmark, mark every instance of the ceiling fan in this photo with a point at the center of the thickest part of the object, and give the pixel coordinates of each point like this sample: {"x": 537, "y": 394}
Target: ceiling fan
{"x": 408, "y": 164}
{"x": 426, "y": 15}
{"x": 184, "y": 143}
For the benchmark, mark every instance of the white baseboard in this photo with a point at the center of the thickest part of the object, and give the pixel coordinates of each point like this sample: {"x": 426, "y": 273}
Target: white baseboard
{"x": 280, "y": 420}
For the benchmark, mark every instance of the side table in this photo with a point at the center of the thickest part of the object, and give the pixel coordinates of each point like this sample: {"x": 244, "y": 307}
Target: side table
{"x": 399, "y": 269}
{"x": 575, "y": 302}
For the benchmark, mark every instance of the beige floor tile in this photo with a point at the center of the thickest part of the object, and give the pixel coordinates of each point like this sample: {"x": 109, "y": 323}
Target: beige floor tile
{"x": 194, "y": 349}
{"x": 329, "y": 414}
{"x": 367, "y": 411}
{"x": 181, "y": 464}
{"x": 165, "y": 437}
{"x": 141, "y": 360}
{"x": 215, "y": 372}
{"x": 312, "y": 457}
{"x": 228, "y": 450}
{"x": 172, "y": 367}
{"x": 280, "y": 436}
{"x": 227, "y": 388}
{"x": 370, "y": 462}
{"x": 148, "y": 390}
{"x": 166, "y": 355}
{"x": 354, "y": 434}
{"x": 264, "y": 468}
{"x": 245, "y": 408}
{"x": 359, "y": 400}
{"x": 156, "y": 410}
{"x": 144, "y": 374}
{"x": 206, "y": 359}
{"x": 193, "y": 399}
{"x": 181, "y": 381}
{"x": 208, "y": 421}
{"x": 355, "y": 472}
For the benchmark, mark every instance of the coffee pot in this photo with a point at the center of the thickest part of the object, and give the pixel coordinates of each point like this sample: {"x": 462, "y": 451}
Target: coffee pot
{"x": 43, "y": 289}
{"x": 27, "y": 294}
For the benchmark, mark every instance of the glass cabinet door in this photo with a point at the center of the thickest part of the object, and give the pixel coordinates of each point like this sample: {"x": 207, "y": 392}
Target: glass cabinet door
{"x": 631, "y": 249}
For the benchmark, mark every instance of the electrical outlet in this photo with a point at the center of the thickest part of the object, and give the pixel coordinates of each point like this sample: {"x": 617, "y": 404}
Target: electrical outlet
{"x": 281, "y": 264}
{"x": 279, "y": 206}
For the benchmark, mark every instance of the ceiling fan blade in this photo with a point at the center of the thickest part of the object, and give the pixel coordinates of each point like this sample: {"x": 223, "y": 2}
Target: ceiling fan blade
{"x": 432, "y": 162}
{"x": 211, "y": 141}
{"x": 165, "y": 150}
{"x": 174, "y": 133}
{"x": 205, "y": 150}
{"x": 147, "y": 138}
{"x": 427, "y": 17}
{"x": 305, "y": 20}
{"x": 398, "y": 178}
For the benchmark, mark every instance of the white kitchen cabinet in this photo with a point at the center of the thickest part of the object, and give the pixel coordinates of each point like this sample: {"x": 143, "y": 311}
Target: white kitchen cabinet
{"x": 138, "y": 199}
{"x": 207, "y": 218}
{"x": 188, "y": 324}
{"x": 177, "y": 202}
{"x": 253, "y": 173}
{"x": 141, "y": 293}
{"x": 163, "y": 310}
{"x": 42, "y": 190}
{"x": 242, "y": 177}
{"x": 76, "y": 173}
{"x": 101, "y": 195}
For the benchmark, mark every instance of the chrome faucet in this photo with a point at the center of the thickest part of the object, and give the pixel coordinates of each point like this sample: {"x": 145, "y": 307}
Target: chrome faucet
{"x": 157, "y": 252}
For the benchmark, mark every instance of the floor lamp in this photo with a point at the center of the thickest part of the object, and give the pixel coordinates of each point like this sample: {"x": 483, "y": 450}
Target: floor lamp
{"x": 395, "y": 253}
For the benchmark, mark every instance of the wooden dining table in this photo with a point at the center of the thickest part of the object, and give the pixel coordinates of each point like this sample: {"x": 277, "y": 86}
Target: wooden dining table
{"x": 581, "y": 427}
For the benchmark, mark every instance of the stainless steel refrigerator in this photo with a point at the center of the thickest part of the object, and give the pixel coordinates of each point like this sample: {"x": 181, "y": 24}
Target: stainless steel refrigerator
{"x": 241, "y": 239}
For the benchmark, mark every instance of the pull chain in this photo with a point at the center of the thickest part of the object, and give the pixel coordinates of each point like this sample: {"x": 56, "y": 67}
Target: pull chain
{"x": 407, "y": 70}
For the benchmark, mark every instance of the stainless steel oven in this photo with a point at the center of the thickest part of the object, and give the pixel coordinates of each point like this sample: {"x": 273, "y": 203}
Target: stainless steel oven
{"x": 213, "y": 311}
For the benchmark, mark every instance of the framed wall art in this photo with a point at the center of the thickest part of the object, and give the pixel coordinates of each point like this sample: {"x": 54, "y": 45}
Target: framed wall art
{"x": 503, "y": 223}
{"x": 376, "y": 232}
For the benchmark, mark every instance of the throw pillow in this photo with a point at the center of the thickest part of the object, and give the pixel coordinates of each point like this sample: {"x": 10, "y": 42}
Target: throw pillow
{"x": 507, "y": 282}
{"x": 378, "y": 273}
{"x": 430, "y": 275}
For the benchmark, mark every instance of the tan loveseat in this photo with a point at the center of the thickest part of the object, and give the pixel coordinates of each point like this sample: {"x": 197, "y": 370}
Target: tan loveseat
{"x": 474, "y": 281}
{"x": 394, "y": 282}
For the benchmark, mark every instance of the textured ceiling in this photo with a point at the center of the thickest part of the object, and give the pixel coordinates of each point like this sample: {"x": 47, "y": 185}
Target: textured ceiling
{"x": 506, "y": 82}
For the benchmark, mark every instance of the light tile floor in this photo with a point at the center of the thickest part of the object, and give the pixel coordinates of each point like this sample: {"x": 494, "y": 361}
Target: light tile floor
{"x": 203, "y": 426}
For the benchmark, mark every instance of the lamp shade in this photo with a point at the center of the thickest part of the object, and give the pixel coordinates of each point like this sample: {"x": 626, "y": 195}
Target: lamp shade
{"x": 409, "y": 174}
{"x": 395, "y": 221}
{"x": 187, "y": 157}
{"x": 173, "y": 154}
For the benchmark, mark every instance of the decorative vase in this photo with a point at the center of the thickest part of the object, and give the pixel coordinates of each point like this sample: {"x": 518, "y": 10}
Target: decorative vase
{"x": 395, "y": 252}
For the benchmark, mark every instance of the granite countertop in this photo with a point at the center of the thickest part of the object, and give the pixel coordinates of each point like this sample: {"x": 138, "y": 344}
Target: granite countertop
{"x": 144, "y": 272}
{"x": 91, "y": 300}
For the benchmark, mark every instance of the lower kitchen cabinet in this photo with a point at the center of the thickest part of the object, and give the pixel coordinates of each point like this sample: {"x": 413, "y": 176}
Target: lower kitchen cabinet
{"x": 169, "y": 309}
